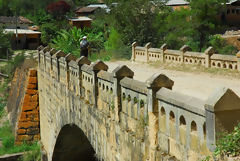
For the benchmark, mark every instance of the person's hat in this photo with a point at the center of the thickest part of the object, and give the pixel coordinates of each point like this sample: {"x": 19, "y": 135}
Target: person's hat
{"x": 84, "y": 37}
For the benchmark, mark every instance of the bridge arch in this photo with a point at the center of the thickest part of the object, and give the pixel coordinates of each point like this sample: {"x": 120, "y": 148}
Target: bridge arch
{"x": 73, "y": 145}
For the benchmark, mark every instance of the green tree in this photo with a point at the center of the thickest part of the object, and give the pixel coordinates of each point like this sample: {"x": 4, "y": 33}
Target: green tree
{"x": 203, "y": 20}
{"x": 4, "y": 43}
{"x": 69, "y": 40}
{"x": 135, "y": 20}
{"x": 49, "y": 31}
{"x": 176, "y": 28}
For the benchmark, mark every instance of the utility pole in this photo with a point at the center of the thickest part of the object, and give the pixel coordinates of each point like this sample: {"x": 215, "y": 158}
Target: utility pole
{"x": 16, "y": 30}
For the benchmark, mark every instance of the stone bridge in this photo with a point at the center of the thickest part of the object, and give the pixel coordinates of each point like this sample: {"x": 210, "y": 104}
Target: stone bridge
{"x": 88, "y": 113}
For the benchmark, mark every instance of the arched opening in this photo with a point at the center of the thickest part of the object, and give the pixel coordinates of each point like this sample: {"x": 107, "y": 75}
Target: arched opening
{"x": 163, "y": 113}
{"x": 182, "y": 121}
{"x": 73, "y": 145}
{"x": 193, "y": 126}
{"x": 204, "y": 130}
{"x": 172, "y": 116}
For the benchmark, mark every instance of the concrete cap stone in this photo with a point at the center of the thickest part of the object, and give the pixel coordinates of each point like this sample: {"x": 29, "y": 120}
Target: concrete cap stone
{"x": 238, "y": 54}
{"x": 46, "y": 49}
{"x": 40, "y": 48}
{"x": 158, "y": 81}
{"x": 52, "y": 51}
{"x": 148, "y": 45}
{"x": 223, "y": 99}
{"x": 122, "y": 71}
{"x": 134, "y": 44}
{"x": 73, "y": 63}
{"x": 98, "y": 65}
{"x": 185, "y": 48}
{"x": 164, "y": 47}
{"x": 59, "y": 54}
{"x": 209, "y": 51}
{"x": 83, "y": 60}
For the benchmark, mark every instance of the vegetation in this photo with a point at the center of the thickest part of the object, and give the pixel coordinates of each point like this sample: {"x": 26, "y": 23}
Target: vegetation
{"x": 4, "y": 44}
{"x": 229, "y": 144}
{"x": 8, "y": 142}
{"x": 11, "y": 65}
{"x": 69, "y": 40}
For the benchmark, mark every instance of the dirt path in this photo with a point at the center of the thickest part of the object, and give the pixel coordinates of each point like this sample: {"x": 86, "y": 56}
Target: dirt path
{"x": 193, "y": 84}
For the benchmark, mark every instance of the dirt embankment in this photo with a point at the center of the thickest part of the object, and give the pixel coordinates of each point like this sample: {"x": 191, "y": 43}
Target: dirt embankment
{"x": 17, "y": 91}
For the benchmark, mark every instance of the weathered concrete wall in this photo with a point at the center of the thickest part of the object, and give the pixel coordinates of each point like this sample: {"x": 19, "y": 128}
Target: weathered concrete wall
{"x": 124, "y": 119}
{"x": 185, "y": 56}
{"x": 18, "y": 87}
{"x": 28, "y": 128}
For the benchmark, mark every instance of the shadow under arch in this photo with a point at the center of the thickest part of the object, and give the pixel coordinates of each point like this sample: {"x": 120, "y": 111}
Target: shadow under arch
{"x": 73, "y": 145}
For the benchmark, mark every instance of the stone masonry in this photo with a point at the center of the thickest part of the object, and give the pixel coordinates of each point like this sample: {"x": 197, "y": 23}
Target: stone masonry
{"x": 185, "y": 55}
{"x": 28, "y": 128}
{"x": 125, "y": 119}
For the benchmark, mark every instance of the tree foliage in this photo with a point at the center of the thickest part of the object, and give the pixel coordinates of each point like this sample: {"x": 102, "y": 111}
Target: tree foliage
{"x": 58, "y": 9}
{"x": 135, "y": 19}
{"x": 69, "y": 40}
{"x": 4, "y": 43}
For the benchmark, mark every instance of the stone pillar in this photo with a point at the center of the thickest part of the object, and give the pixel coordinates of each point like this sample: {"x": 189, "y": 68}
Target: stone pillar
{"x": 134, "y": 51}
{"x": 184, "y": 49}
{"x": 210, "y": 129}
{"x": 80, "y": 62}
{"x": 39, "y": 50}
{"x": 163, "y": 48}
{"x": 208, "y": 53}
{"x": 154, "y": 83}
{"x": 147, "y": 46}
{"x": 96, "y": 67}
{"x": 118, "y": 74}
{"x": 238, "y": 61}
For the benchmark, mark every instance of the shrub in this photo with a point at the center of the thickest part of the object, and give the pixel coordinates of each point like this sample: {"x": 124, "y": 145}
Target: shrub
{"x": 229, "y": 144}
{"x": 221, "y": 46}
{"x": 33, "y": 155}
{"x": 73, "y": 38}
{"x": 49, "y": 31}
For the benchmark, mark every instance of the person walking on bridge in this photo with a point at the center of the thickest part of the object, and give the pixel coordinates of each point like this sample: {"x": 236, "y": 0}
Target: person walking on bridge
{"x": 84, "y": 46}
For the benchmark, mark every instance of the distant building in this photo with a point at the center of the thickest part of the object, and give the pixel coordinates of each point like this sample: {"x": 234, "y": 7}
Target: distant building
{"x": 23, "y": 37}
{"x": 86, "y": 11}
{"x": 81, "y": 22}
{"x": 10, "y": 22}
{"x": 229, "y": 15}
{"x": 177, "y": 4}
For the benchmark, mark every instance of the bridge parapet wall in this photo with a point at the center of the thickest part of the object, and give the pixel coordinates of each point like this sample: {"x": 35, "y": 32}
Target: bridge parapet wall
{"x": 208, "y": 58}
{"x": 126, "y": 119}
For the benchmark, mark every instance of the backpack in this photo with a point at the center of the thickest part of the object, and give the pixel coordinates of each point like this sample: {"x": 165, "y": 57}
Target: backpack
{"x": 83, "y": 44}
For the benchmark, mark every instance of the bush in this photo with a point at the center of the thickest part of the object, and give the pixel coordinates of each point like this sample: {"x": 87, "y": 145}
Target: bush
{"x": 33, "y": 155}
{"x": 115, "y": 47}
{"x": 13, "y": 64}
{"x": 229, "y": 144}
{"x": 49, "y": 31}
{"x": 221, "y": 46}
{"x": 9, "y": 147}
{"x": 73, "y": 38}
{"x": 5, "y": 45}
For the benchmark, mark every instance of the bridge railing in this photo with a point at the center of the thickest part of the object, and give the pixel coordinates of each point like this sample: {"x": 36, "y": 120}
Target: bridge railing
{"x": 184, "y": 55}
{"x": 178, "y": 124}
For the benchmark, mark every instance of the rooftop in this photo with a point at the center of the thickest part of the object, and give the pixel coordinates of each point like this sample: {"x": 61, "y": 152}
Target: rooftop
{"x": 86, "y": 9}
{"x": 20, "y": 19}
{"x": 183, "y": 2}
{"x": 21, "y": 31}
{"x": 82, "y": 18}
